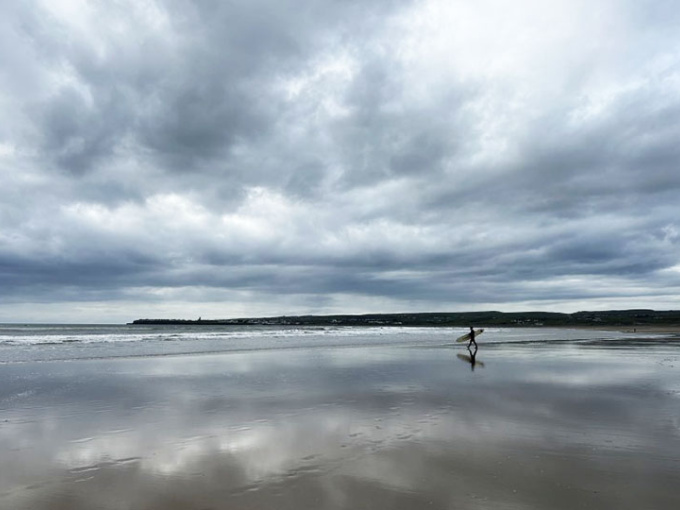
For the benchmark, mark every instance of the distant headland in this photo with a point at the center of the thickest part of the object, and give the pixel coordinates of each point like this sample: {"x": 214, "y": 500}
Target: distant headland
{"x": 613, "y": 318}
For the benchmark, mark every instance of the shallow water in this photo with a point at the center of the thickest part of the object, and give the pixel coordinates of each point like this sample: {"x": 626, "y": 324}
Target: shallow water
{"x": 398, "y": 421}
{"x": 20, "y": 343}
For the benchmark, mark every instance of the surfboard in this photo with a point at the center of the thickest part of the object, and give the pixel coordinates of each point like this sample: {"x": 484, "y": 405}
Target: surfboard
{"x": 466, "y": 336}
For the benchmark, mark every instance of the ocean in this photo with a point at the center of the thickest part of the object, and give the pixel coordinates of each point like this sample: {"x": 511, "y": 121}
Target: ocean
{"x": 43, "y": 342}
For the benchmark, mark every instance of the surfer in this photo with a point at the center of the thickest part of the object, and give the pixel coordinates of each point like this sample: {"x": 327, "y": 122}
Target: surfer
{"x": 472, "y": 338}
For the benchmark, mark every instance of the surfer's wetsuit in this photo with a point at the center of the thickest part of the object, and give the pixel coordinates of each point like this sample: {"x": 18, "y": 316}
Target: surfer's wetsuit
{"x": 472, "y": 337}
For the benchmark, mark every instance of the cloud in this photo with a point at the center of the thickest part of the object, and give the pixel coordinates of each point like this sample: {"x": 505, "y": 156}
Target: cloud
{"x": 404, "y": 152}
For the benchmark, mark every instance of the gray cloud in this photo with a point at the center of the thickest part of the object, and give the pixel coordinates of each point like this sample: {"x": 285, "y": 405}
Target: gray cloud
{"x": 333, "y": 156}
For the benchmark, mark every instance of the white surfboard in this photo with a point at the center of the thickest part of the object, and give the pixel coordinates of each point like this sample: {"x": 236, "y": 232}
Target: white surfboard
{"x": 466, "y": 336}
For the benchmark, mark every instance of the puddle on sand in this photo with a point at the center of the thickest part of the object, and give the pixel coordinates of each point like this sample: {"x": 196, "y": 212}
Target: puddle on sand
{"x": 296, "y": 428}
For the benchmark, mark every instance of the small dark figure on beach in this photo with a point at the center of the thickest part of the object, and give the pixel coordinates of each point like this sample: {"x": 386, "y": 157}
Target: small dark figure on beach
{"x": 472, "y": 338}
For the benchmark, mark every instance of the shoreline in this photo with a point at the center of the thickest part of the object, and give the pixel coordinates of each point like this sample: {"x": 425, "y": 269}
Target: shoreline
{"x": 388, "y": 428}
{"x": 670, "y": 329}
{"x": 608, "y": 318}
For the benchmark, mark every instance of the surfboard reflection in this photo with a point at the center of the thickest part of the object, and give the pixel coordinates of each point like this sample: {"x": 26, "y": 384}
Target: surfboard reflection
{"x": 471, "y": 358}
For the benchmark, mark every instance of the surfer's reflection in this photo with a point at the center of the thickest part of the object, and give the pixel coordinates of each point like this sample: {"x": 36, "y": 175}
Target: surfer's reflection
{"x": 471, "y": 357}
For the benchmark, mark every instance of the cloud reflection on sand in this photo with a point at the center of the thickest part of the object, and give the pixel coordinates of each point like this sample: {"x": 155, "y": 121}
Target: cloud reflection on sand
{"x": 387, "y": 427}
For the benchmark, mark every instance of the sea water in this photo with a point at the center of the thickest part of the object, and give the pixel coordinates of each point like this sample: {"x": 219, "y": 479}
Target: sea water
{"x": 43, "y": 342}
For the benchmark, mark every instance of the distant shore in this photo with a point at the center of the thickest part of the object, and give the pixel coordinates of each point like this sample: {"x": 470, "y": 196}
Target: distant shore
{"x": 663, "y": 321}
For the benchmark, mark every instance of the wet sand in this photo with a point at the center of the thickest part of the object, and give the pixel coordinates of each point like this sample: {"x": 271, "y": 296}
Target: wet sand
{"x": 670, "y": 329}
{"x": 558, "y": 426}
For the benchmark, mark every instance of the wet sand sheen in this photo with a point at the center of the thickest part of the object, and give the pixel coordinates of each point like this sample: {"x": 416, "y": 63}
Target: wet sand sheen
{"x": 565, "y": 426}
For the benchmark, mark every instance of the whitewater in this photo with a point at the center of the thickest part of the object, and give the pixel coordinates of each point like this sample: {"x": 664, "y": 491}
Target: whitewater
{"x": 44, "y": 342}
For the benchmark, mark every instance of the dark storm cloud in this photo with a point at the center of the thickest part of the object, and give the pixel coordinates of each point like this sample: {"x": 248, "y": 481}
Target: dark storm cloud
{"x": 389, "y": 154}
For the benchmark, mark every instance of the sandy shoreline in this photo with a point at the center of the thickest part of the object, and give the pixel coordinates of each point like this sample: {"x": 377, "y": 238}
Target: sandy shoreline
{"x": 670, "y": 329}
{"x": 557, "y": 427}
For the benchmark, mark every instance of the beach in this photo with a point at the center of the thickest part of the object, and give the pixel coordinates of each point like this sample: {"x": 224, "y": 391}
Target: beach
{"x": 330, "y": 419}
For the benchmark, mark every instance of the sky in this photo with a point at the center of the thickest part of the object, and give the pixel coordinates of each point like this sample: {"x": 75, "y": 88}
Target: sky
{"x": 177, "y": 159}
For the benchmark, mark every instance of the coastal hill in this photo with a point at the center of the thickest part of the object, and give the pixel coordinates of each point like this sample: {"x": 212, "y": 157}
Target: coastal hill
{"x": 461, "y": 319}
